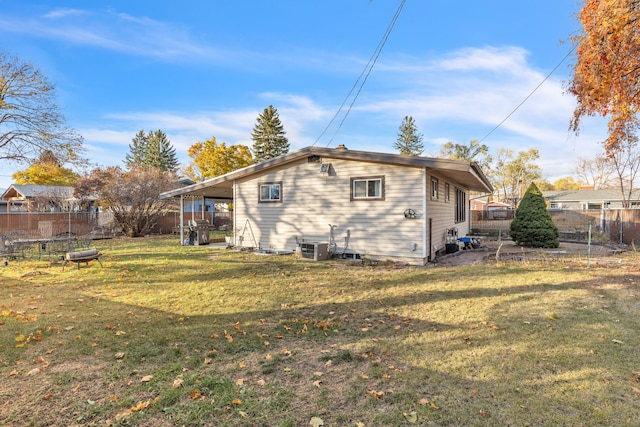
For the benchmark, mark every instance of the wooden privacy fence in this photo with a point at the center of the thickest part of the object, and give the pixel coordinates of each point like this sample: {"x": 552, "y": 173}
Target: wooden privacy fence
{"x": 43, "y": 225}
{"x": 614, "y": 225}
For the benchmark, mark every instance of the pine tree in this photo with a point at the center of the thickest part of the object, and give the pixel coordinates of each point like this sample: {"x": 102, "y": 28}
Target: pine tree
{"x": 268, "y": 136}
{"x": 152, "y": 149}
{"x": 137, "y": 150}
{"x": 532, "y": 225}
{"x": 409, "y": 140}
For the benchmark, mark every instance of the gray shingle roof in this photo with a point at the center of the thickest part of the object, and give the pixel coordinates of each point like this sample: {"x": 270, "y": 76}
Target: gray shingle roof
{"x": 587, "y": 195}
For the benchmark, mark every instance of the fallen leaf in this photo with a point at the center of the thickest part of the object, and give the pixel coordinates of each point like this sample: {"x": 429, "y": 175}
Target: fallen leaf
{"x": 316, "y": 422}
{"x": 140, "y": 406}
{"x": 617, "y": 342}
{"x": 215, "y": 336}
{"x": 146, "y": 378}
{"x": 34, "y": 371}
{"x": 195, "y": 394}
{"x": 178, "y": 382}
{"x": 635, "y": 389}
{"x": 243, "y": 414}
{"x": 120, "y": 355}
{"x": 242, "y": 364}
{"x": 240, "y": 381}
{"x": 236, "y": 401}
{"x": 261, "y": 382}
{"x": 411, "y": 417}
{"x": 317, "y": 383}
{"x": 48, "y": 396}
{"x": 423, "y": 401}
{"x": 208, "y": 360}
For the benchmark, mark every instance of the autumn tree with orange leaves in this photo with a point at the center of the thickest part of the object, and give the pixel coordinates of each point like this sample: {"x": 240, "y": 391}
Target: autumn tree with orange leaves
{"x": 606, "y": 75}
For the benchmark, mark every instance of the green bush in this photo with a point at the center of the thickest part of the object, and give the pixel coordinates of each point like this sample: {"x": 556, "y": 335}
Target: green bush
{"x": 532, "y": 225}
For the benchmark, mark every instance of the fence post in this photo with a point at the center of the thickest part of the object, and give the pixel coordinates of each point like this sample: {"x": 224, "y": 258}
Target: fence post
{"x": 589, "y": 245}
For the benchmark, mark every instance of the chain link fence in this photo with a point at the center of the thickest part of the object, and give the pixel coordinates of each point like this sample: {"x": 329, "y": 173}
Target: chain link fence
{"x": 607, "y": 225}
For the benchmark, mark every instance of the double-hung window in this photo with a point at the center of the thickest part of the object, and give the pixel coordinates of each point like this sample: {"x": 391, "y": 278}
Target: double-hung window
{"x": 270, "y": 192}
{"x": 369, "y": 188}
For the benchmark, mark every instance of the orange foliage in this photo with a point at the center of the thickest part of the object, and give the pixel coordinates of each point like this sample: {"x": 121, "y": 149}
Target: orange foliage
{"x": 606, "y": 74}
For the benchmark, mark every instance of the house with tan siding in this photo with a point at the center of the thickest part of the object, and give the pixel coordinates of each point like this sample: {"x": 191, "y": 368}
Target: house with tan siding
{"x": 361, "y": 204}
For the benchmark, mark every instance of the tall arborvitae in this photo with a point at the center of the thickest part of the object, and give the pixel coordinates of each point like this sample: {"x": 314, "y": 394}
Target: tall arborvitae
{"x": 532, "y": 225}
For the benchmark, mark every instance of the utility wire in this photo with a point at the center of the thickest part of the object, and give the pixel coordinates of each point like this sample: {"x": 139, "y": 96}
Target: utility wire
{"x": 528, "y": 96}
{"x": 365, "y": 72}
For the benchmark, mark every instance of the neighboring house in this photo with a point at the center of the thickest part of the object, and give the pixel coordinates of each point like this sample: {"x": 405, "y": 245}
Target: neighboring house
{"x": 382, "y": 206}
{"x": 588, "y": 199}
{"x": 38, "y": 198}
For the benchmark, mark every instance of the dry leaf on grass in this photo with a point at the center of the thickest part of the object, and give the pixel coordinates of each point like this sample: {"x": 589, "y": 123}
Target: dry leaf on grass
{"x": 411, "y": 417}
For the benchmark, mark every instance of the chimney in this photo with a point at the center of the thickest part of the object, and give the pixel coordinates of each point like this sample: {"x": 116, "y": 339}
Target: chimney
{"x": 341, "y": 147}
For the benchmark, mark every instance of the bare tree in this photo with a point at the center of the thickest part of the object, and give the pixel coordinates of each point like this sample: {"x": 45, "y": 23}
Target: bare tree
{"x": 30, "y": 119}
{"x": 626, "y": 160}
{"x": 598, "y": 172}
{"x": 55, "y": 199}
{"x": 133, "y": 196}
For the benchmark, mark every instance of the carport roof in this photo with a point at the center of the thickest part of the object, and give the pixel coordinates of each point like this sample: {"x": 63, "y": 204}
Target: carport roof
{"x": 467, "y": 174}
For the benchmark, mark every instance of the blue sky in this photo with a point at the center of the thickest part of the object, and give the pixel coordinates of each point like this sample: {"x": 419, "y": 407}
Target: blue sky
{"x": 203, "y": 68}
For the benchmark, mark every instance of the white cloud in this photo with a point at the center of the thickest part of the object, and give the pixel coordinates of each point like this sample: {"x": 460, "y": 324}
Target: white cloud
{"x": 114, "y": 31}
{"x": 62, "y": 13}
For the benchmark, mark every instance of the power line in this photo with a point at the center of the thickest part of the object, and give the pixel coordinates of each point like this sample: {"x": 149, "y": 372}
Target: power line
{"x": 365, "y": 72}
{"x": 528, "y": 96}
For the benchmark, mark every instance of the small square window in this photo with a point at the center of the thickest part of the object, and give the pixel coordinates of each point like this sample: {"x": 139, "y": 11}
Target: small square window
{"x": 367, "y": 188}
{"x": 270, "y": 192}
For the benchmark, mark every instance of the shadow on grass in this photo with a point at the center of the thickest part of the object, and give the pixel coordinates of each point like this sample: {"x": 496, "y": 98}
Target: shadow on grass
{"x": 432, "y": 342}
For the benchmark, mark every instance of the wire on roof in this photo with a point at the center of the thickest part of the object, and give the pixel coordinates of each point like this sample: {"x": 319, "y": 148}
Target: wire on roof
{"x": 365, "y": 72}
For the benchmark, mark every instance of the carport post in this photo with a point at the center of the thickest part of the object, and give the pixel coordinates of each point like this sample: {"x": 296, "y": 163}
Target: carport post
{"x": 181, "y": 219}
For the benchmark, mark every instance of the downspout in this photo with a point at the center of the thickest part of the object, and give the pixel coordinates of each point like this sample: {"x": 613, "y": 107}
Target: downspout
{"x": 426, "y": 247}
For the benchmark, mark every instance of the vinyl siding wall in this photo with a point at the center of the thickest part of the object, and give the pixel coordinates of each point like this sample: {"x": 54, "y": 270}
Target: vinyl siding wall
{"x": 312, "y": 201}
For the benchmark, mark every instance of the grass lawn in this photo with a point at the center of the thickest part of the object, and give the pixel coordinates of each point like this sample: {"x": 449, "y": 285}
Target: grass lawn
{"x": 165, "y": 335}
